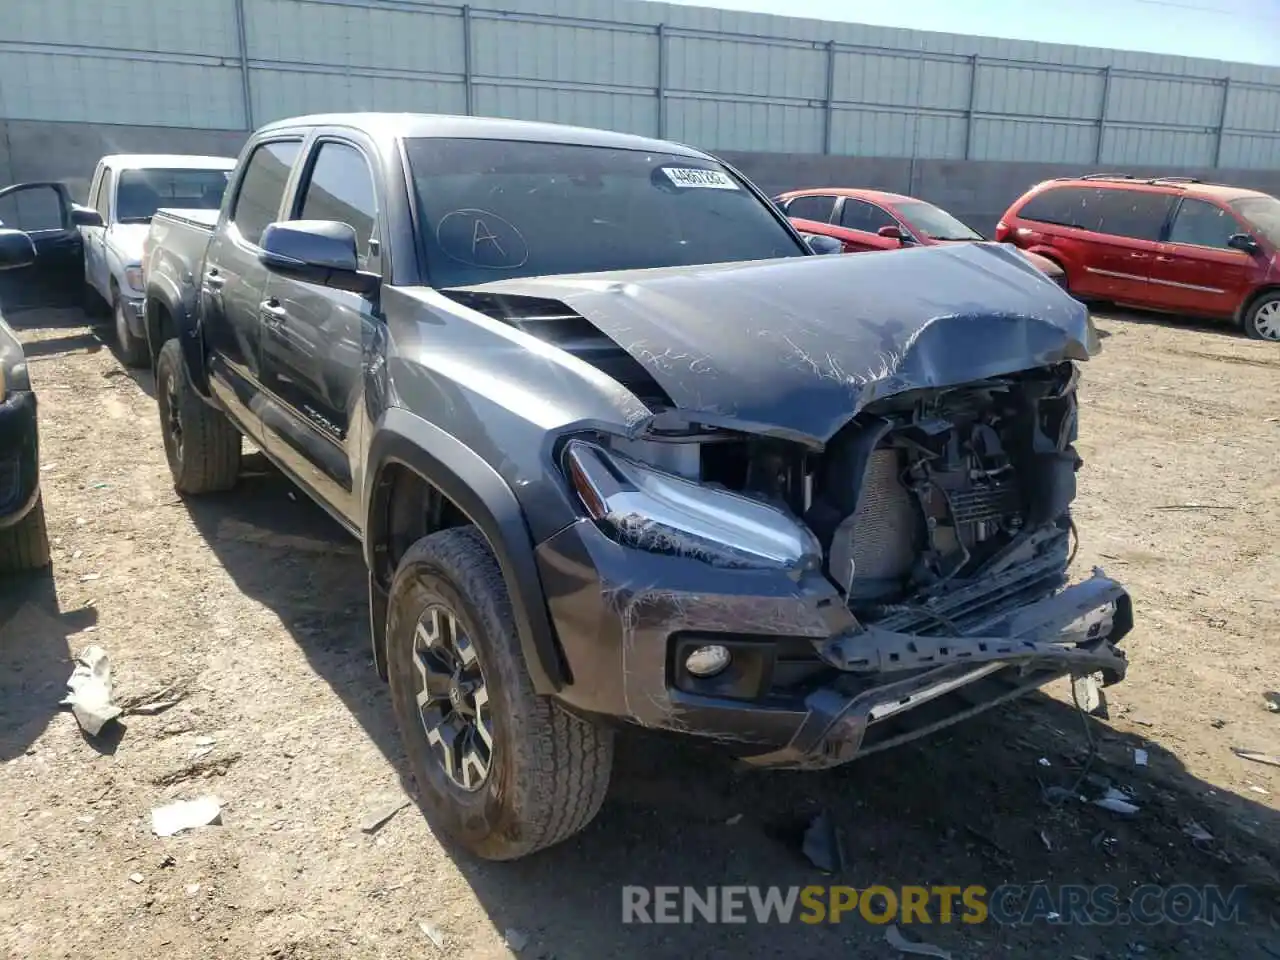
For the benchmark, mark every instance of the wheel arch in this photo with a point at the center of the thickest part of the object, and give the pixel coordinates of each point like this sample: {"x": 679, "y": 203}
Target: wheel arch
{"x": 1254, "y": 296}
{"x": 413, "y": 464}
{"x": 165, "y": 316}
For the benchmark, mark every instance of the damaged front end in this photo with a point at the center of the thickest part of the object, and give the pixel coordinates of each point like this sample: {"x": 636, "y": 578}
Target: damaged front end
{"x": 812, "y": 606}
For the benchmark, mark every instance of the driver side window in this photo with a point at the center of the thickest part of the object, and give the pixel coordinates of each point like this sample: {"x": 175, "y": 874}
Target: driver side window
{"x": 861, "y": 215}
{"x": 341, "y": 188}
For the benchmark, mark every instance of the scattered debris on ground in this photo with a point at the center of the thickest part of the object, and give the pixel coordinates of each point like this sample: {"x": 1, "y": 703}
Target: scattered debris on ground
{"x": 823, "y": 844}
{"x": 896, "y": 940}
{"x": 515, "y": 939}
{"x": 375, "y": 821}
{"x": 1256, "y": 756}
{"x": 185, "y": 815}
{"x": 90, "y": 686}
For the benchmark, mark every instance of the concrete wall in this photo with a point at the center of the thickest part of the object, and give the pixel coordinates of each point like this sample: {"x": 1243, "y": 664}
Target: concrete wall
{"x": 977, "y": 191}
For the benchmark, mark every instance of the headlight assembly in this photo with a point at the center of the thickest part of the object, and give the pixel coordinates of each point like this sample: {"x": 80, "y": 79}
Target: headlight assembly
{"x": 133, "y": 277}
{"x": 651, "y": 510}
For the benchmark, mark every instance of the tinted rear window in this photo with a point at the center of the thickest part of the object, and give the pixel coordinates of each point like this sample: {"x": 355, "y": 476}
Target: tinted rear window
{"x": 1125, "y": 213}
{"x": 496, "y": 209}
{"x": 141, "y": 192}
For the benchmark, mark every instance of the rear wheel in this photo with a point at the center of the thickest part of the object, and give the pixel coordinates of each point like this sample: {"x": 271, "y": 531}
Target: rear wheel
{"x": 25, "y": 545}
{"x": 500, "y": 770}
{"x": 200, "y": 443}
{"x": 1262, "y": 319}
{"x": 133, "y": 349}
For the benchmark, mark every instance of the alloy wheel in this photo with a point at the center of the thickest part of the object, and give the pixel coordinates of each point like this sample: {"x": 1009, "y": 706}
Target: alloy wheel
{"x": 1267, "y": 320}
{"x": 453, "y": 700}
{"x": 173, "y": 417}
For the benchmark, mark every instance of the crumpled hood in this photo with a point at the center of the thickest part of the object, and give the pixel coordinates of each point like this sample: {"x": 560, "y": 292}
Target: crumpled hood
{"x": 796, "y": 347}
{"x": 127, "y": 240}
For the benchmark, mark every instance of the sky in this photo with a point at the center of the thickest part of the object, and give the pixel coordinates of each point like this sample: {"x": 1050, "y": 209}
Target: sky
{"x": 1246, "y": 31}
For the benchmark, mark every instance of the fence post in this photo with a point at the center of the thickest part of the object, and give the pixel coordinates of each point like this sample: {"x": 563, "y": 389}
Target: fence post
{"x": 973, "y": 95}
{"x": 1102, "y": 112}
{"x": 828, "y": 117}
{"x": 245, "y": 89}
{"x": 662, "y": 81}
{"x": 1222, "y": 121}
{"x": 468, "y": 95}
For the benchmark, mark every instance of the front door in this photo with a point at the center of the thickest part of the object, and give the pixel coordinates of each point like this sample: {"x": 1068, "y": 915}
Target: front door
{"x": 234, "y": 280}
{"x": 1195, "y": 272}
{"x": 96, "y": 273}
{"x": 56, "y": 277}
{"x": 313, "y": 336}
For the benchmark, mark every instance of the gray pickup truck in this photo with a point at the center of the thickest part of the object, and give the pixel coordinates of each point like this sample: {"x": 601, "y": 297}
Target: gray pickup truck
{"x": 620, "y": 447}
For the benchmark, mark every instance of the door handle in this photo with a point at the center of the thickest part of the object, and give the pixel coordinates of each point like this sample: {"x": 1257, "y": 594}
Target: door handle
{"x": 214, "y": 280}
{"x": 273, "y": 315}
{"x": 1165, "y": 259}
{"x": 1137, "y": 256}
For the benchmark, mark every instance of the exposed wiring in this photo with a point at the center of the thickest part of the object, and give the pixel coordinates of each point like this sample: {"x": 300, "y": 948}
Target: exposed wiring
{"x": 1074, "y": 790}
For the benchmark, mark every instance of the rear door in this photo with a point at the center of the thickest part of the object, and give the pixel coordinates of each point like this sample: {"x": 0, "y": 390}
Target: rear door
{"x": 231, "y": 289}
{"x": 1195, "y": 271}
{"x": 55, "y": 279}
{"x": 857, "y": 222}
{"x": 313, "y": 335}
{"x": 1126, "y": 226}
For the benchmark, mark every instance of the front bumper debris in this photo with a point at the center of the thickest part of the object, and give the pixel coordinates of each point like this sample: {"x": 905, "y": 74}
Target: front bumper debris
{"x": 626, "y": 619}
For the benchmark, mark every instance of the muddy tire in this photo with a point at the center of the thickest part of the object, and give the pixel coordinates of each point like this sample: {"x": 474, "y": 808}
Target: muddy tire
{"x": 1262, "y": 319}
{"x": 25, "y": 545}
{"x": 200, "y": 443}
{"x": 546, "y": 772}
{"x": 132, "y": 349}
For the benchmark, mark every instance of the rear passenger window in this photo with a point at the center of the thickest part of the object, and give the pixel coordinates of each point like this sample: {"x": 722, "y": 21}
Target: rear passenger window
{"x": 1063, "y": 206}
{"x": 812, "y": 208}
{"x": 1136, "y": 214}
{"x": 262, "y": 187}
{"x": 1203, "y": 224}
{"x": 860, "y": 215}
{"x": 341, "y": 188}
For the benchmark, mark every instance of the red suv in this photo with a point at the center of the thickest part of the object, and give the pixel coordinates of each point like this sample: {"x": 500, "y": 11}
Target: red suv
{"x": 1172, "y": 244}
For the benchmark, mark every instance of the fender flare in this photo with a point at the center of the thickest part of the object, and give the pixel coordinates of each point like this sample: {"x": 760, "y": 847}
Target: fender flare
{"x": 486, "y": 499}
{"x": 162, "y": 291}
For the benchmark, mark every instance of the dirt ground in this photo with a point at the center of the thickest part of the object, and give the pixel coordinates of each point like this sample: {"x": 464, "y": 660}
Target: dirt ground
{"x": 249, "y": 610}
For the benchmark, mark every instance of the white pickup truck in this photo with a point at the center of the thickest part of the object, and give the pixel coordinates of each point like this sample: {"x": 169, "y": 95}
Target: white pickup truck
{"x": 126, "y": 190}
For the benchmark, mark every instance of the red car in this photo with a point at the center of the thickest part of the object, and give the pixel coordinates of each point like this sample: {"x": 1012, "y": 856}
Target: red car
{"x": 875, "y": 220}
{"x": 1172, "y": 244}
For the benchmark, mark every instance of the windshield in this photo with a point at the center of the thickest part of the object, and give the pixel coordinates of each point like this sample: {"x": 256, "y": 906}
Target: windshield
{"x": 141, "y": 192}
{"x": 935, "y": 223}
{"x": 1264, "y": 215}
{"x": 496, "y": 209}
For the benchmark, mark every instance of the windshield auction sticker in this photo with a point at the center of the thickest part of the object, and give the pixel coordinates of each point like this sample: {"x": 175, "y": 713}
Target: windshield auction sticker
{"x": 703, "y": 179}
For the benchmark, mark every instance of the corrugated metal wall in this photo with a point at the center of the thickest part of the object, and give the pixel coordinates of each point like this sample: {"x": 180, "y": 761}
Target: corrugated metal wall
{"x": 717, "y": 79}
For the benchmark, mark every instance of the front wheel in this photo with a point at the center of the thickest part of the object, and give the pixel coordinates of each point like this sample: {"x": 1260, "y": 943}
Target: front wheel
{"x": 200, "y": 443}
{"x": 1262, "y": 319}
{"x": 133, "y": 349}
{"x": 500, "y": 770}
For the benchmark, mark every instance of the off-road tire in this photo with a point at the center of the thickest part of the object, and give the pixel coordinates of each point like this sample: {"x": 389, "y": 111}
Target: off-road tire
{"x": 25, "y": 545}
{"x": 208, "y": 458}
{"x": 132, "y": 349}
{"x": 549, "y": 770}
{"x": 1250, "y": 319}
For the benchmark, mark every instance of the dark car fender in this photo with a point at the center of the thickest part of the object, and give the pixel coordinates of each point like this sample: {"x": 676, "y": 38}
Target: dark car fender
{"x": 164, "y": 297}
{"x": 487, "y": 501}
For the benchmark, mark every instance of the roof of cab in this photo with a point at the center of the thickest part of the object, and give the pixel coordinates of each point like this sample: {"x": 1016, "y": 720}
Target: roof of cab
{"x": 166, "y": 161}
{"x": 413, "y": 125}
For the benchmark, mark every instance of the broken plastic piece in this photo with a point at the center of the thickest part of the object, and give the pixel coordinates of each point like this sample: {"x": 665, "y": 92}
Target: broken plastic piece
{"x": 896, "y": 940}
{"x": 1116, "y": 805}
{"x": 1256, "y": 757}
{"x": 1139, "y": 757}
{"x": 822, "y": 844}
{"x": 185, "y": 815}
{"x": 1197, "y": 832}
{"x": 517, "y": 940}
{"x": 1088, "y": 695}
{"x": 375, "y": 821}
{"x": 90, "y": 686}
{"x": 432, "y": 933}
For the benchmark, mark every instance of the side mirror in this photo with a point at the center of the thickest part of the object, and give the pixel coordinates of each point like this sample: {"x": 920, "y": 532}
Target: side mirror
{"x": 891, "y": 232}
{"x": 822, "y": 244}
{"x": 1242, "y": 241}
{"x": 316, "y": 251}
{"x": 16, "y": 250}
{"x": 85, "y": 216}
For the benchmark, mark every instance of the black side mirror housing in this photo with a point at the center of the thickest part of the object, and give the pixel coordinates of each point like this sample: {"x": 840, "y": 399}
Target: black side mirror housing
{"x": 1242, "y": 241}
{"x": 316, "y": 251}
{"x": 16, "y": 250}
{"x": 891, "y": 232}
{"x": 822, "y": 244}
{"x": 82, "y": 216}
